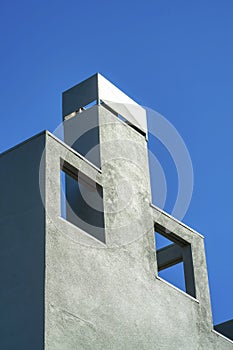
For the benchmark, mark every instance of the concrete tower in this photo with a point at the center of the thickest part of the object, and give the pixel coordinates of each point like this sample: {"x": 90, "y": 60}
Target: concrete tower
{"x": 79, "y": 267}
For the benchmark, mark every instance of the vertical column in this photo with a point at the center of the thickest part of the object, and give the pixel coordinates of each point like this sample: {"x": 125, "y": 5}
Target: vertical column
{"x": 126, "y": 183}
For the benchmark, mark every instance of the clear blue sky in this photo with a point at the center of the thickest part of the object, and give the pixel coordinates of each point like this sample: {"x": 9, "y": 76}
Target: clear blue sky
{"x": 173, "y": 56}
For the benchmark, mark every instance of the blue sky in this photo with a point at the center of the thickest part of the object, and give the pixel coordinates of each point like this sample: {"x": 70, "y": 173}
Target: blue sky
{"x": 173, "y": 56}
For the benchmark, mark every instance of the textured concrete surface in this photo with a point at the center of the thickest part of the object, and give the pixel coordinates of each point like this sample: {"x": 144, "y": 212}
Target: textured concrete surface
{"x": 108, "y": 296}
{"x": 94, "y": 295}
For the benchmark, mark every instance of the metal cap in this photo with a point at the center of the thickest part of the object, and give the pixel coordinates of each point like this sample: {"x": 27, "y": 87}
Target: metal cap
{"x": 99, "y": 89}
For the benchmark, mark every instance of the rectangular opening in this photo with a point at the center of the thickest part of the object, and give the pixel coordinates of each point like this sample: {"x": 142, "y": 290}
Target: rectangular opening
{"x": 174, "y": 259}
{"x": 123, "y": 119}
{"x": 130, "y": 124}
{"x": 82, "y": 201}
{"x": 89, "y": 105}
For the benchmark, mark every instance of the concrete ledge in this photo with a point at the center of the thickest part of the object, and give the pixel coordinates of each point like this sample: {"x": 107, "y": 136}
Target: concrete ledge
{"x": 177, "y": 289}
{"x": 176, "y": 220}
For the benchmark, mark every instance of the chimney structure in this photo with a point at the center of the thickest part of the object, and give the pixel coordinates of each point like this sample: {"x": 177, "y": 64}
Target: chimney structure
{"x": 79, "y": 264}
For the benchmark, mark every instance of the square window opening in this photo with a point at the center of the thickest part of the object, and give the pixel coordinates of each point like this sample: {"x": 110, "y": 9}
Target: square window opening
{"x": 174, "y": 260}
{"x": 81, "y": 201}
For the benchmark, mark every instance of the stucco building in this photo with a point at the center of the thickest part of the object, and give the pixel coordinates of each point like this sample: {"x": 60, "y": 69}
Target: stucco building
{"x": 79, "y": 264}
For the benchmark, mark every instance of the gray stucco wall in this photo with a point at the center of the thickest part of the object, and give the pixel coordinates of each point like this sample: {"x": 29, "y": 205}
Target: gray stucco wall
{"x": 61, "y": 288}
{"x": 22, "y": 232}
{"x": 108, "y": 296}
